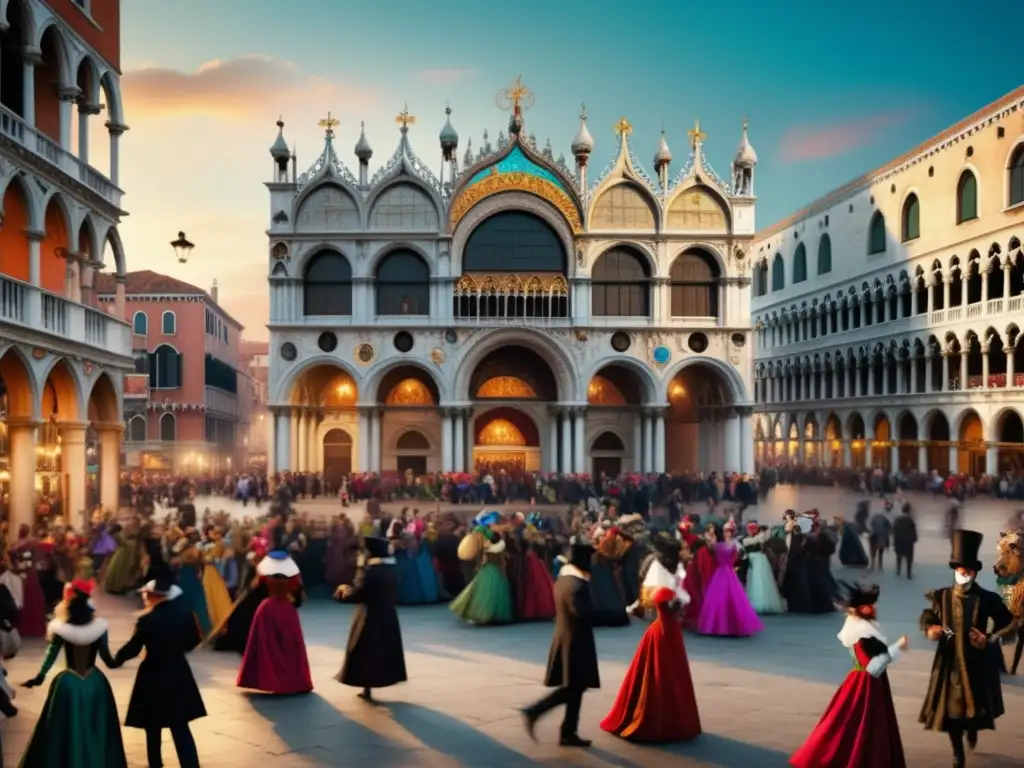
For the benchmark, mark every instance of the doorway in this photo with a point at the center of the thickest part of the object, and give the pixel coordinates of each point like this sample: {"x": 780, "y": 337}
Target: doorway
{"x": 337, "y": 456}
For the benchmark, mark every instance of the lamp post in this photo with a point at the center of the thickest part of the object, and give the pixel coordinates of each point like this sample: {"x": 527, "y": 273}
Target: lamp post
{"x": 182, "y": 247}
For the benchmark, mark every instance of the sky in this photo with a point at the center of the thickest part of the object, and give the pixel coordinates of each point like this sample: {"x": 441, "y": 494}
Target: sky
{"x": 831, "y": 90}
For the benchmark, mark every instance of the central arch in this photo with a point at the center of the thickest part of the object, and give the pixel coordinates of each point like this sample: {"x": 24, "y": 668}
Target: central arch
{"x": 506, "y": 439}
{"x": 324, "y": 396}
{"x": 617, "y": 392}
{"x": 411, "y": 429}
{"x": 556, "y": 359}
{"x": 701, "y": 402}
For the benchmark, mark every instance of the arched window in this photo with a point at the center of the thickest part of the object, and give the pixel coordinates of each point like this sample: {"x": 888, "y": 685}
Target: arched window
{"x": 778, "y": 273}
{"x": 911, "y": 225}
{"x": 137, "y": 429}
{"x": 514, "y": 242}
{"x": 620, "y": 285}
{"x": 168, "y": 324}
{"x": 762, "y": 279}
{"x": 876, "y": 234}
{"x": 800, "y": 264}
{"x": 693, "y": 281}
{"x": 403, "y": 284}
{"x": 1017, "y": 176}
{"x": 168, "y": 427}
{"x": 824, "y": 255}
{"x": 164, "y": 368}
{"x": 327, "y": 288}
{"x": 140, "y": 324}
{"x": 966, "y": 197}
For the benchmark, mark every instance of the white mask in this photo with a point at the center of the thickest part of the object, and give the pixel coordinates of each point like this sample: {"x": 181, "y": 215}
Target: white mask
{"x": 962, "y": 579}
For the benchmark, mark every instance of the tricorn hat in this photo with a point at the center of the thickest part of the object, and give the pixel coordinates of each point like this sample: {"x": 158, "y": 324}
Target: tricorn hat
{"x": 966, "y": 545}
{"x": 377, "y": 547}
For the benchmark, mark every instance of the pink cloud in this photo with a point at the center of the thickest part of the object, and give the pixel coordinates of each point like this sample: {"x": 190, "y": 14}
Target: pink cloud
{"x": 803, "y": 143}
{"x": 444, "y": 76}
{"x": 236, "y": 87}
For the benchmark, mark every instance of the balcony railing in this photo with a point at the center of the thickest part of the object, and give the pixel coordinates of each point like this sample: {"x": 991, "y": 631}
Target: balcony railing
{"x": 25, "y": 305}
{"x": 20, "y": 132}
{"x": 219, "y": 401}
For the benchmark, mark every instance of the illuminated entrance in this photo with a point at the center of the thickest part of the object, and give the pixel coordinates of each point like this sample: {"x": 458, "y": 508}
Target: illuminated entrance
{"x": 506, "y": 439}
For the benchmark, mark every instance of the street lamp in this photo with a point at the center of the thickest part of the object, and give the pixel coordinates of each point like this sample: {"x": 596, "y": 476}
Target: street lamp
{"x": 182, "y": 247}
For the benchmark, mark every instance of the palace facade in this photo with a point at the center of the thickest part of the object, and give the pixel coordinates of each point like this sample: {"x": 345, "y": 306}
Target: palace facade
{"x": 888, "y": 313}
{"x": 62, "y": 358}
{"x": 507, "y": 312}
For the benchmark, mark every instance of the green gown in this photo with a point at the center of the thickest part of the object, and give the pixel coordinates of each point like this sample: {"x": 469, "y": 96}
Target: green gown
{"x": 123, "y": 571}
{"x": 487, "y": 599}
{"x": 79, "y": 726}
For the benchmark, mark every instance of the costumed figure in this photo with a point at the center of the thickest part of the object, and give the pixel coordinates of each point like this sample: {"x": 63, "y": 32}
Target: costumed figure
{"x": 342, "y": 553}
{"x": 536, "y": 599}
{"x": 904, "y": 537}
{"x": 859, "y": 728}
{"x": 851, "y": 548}
{"x": 607, "y": 595}
{"x": 165, "y": 694}
{"x": 10, "y": 638}
{"x": 215, "y": 589}
{"x": 572, "y": 660}
{"x": 446, "y": 552}
{"x": 819, "y": 548}
{"x": 275, "y": 659}
{"x": 727, "y": 611}
{"x": 761, "y": 587}
{"x": 699, "y": 572}
{"x": 374, "y": 657}
{"x": 413, "y": 589}
{"x": 487, "y": 599}
{"x": 964, "y": 694}
{"x": 124, "y": 567}
{"x": 878, "y": 540}
{"x": 102, "y": 544}
{"x": 796, "y": 581}
{"x": 78, "y": 726}
{"x": 633, "y": 528}
{"x": 656, "y": 701}
{"x": 661, "y": 569}
{"x": 187, "y": 558}
{"x": 32, "y": 608}
{"x": 1009, "y": 569}
{"x": 233, "y": 633}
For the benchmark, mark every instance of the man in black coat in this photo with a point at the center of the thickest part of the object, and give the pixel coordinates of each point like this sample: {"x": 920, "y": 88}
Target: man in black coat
{"x": 374, "y": 657}
{"x": 165, "y": 694}
{"x": 572, "y": 661}
{"x": 904, "y": 537}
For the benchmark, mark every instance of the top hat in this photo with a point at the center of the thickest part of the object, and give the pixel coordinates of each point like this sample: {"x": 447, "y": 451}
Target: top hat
{"x": 377, "y": 547}
{"x": 161, "y": 582}
{"x": 966, "y": 545}
{"x": 581, "y": 553}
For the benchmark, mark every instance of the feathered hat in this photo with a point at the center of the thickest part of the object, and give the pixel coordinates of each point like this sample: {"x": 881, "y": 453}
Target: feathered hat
{"x": 486, "y": 518}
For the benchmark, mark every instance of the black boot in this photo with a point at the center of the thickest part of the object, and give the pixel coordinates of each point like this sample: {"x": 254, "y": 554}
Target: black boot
{"x": 959, "y": 758}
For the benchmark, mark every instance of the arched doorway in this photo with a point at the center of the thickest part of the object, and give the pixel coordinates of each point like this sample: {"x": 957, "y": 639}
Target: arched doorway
{"x": 881, "y": 443}
{"x": 324, "y": 398}
{"x": 759, "y": 443}
{"x": 971, "y": 450}
{"x": 939, "y": 441}
{"x": 615, "y": 400}
{"x": 812, "y": 456}
{"x": 337, "y": 456}
{"x": 702, "y": 429}
{"x": 102, "y": 448}
{"x": 908, "y": 442}
{"x": 858, "y": 457}
{"x": 505, "y": 439}
{"x": 778, "y": 444}
{"x": 512, "y": 387}
{"x": 17, "y": 443}
{"x": 408, "y": 398}
{"x": 793, "y": 443}
{"x": 1010, "y": 434}
{"x": 834, "y": 440}
{"x": 607, "y": 452}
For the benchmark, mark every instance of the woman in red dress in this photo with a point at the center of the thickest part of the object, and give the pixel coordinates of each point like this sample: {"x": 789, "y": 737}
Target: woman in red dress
{"x": 536, "y": 589}
{"x": 275, "y": 659}
{"x": 859, "y": 728}
{"x": 656, "y": 702}
{"x": 32, "y": 617}
{"x": 699, "y": 572}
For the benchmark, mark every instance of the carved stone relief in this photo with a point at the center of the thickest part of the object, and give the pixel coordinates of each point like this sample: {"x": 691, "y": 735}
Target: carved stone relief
{"x": 328, "y": 209}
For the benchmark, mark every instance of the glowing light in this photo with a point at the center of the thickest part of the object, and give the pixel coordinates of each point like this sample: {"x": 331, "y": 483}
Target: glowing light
{"x": 677, "y": 390}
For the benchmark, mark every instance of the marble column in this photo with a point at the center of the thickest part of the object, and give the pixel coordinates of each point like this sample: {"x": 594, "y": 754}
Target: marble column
{"x": 566, "y": 466}
{"x": 551, "y": 458}
{"x": 894, "y": 458}
{"x": 954, "y": 464}
{"x": 459, "y": 425}
{"x": 302, "y": 442}
{"x": 72, "y": 466}
{"x": 363, "y": 441}
{"x": 847, "y": 454}
{"x": 579, "y": 441}
{"x": 922, "y": 458}
{"x": 746, "y": 419}
{"x": 659, "y": 441}
{"x": 293, "y": 442}
{"x": 22, "y": 442}
{"x": 638, "y": 442}
{"x": 271, "y": 444}
{"x": 447, "y": 449}
{"x": 110, "y": 464}
{"x": 648, "y": 442}
{"x": 376, "y": 419}
{"x": 284, "y": 440}
{"x": 991, "y": 459}
{"x": 733, "y": 450}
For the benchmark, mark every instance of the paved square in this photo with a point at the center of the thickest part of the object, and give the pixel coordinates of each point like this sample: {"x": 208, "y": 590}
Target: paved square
{"x": 758, "y": 698}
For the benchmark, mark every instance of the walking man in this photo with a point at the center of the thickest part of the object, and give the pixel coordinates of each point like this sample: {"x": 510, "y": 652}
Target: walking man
{"x": 904, "y": 537}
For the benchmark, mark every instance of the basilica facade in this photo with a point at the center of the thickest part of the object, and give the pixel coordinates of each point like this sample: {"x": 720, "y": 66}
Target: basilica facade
{"x": 507, "y": 313}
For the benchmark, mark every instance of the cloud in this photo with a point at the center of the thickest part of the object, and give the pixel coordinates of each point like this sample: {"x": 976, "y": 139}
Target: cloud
{"x": 236, "y": 87}
{"x": 803, "y": 143}
{"x": 444, "y": 76}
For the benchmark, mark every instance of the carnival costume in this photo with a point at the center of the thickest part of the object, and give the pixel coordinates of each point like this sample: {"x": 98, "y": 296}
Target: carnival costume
{"x": 1009, "y": 569}
{"x": 727, "y": 611}
{"x": 487, "y": 599}
{"x": 417, "y": 584}
{"x": 123, "y": 568}
{"x": 859, "y": 728}
{"x": 851, "y": 549}
{"x": 607, "y": 593}
{"x": 536, "y": 598}
{"x": 275, "y": 659}
{"x": 656, "y": 701}
{"x": 32, "y": 611}
{"x": 233, "y": 633}
{"x": 78, "y": 726}
{"x": 699, "y": 571}
{"x": 761, "y": 588}
{"x": 215, "y": 591}
{"x": 189, "y": 562}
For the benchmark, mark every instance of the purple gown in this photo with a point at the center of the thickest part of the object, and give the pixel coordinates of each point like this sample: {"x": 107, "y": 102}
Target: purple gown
{"x": 727, "y": 611}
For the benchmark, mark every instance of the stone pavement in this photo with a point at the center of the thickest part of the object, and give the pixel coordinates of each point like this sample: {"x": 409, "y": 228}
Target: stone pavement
{"x": 758, "y": 697}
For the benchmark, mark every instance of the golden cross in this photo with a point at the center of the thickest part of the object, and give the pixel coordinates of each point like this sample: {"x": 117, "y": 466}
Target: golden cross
{"x": 696, "y": 135}
{"x": 329, "y": 124}
{"x": 404, "y": 119}
{"x": 623, "y": 128}
{"x": 517, "y": 93}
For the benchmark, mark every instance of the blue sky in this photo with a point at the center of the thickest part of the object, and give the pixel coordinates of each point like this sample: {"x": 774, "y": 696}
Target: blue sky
{"x": 829, "y": 92}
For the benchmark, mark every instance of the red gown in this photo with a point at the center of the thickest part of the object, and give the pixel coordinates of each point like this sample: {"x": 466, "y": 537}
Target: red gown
{"x": 536, "y": 596}
{"x": 656, "y": 702}
{"x": 698, "y": 576}
{"x": 275, "y": 659}
{"x": 859, "y": 727}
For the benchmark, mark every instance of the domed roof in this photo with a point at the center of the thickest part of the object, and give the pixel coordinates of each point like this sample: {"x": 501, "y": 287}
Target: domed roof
{"x": 279, "y": 149}
{"x": 745, "y": 154}
{"x": 663, "y": 154}
{"x": 363, "y": 150}
{"x": 449, "y": 136}
{"x": 583, "y": 142}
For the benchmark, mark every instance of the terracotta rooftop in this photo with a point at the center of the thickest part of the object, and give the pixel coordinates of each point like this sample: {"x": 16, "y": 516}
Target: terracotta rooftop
{"x": 837, "y": 195}
{"x": 146, "y": 281}
{"x": 247, "y": 348}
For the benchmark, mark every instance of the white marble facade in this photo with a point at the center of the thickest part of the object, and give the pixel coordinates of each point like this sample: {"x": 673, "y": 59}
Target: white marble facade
{"x": 510, "y": 313}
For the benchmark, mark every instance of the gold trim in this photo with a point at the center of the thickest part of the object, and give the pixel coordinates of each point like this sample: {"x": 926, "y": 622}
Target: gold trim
{"x": 516, "y": 181}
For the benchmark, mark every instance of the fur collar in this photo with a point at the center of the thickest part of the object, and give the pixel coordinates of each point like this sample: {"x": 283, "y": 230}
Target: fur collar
{"x": 77, "y": 634}
{"x": 571, "y": 570}
{"x": 856, "y": 629}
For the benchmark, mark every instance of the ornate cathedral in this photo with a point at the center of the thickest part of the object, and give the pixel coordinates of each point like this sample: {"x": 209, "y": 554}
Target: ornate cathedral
{"x": 509, "y": 312}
